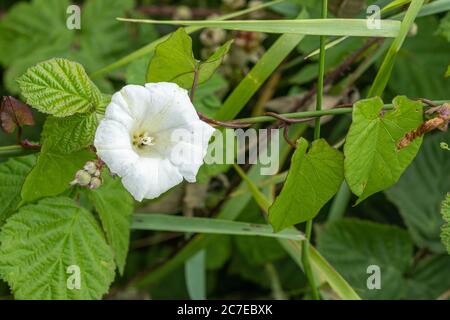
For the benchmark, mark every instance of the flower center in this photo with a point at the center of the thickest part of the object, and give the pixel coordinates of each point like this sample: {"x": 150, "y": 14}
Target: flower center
{"x": 143, "y": 140}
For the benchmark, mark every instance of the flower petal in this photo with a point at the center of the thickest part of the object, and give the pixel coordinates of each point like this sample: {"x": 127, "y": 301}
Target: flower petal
{"x": 150, "y": 177}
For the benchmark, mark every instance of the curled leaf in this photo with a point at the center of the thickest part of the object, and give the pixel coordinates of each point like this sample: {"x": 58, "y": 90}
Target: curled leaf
{"x": 13, "y": 114}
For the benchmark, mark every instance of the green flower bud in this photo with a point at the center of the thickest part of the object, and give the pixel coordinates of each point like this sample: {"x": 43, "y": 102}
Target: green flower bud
{"x": 95, "y": 183}
{"x": 90, "y": 167}
{"x": 82, "y": 178}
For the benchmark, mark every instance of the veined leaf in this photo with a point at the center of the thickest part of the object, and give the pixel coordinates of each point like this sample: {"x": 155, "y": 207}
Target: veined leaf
{"x": 59, "y": 87}
{"x": 372, "y": 161}
{"x": 53, "y": 173}
{"x": 174, "y": 61}
{"x": 419, "y": 192}
{"x": 445, "y": 233}
{"x": 313, "y": 179}
{"x": 114, "y": 205}
{"x": 316, "y": 27}
{"x": 69, "y": 134}
{"x": 352, "y": 246}
{"x": 44, "y": 243}
{"x": 12, "y": 176}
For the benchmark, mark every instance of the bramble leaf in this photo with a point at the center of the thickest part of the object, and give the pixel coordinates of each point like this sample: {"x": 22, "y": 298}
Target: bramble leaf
{"x": 53, "y": 173}
{"x": 41, "y": 242}
{"x": 59, "y": 87}
{"x": 114, "y": 205}
{"x": 12, "y": 176}
{"x": 13, "y": 114}
{"x": 71, "y": 133}
{"x": 313, "y": 179}
{"x": 372, "y": 161}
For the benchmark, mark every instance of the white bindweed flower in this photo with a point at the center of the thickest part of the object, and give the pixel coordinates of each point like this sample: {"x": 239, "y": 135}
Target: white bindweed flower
{"x": 152, "y": 137}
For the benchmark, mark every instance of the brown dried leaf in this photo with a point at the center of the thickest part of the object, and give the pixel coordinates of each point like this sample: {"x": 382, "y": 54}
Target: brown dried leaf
{"x": 13, "y": 114}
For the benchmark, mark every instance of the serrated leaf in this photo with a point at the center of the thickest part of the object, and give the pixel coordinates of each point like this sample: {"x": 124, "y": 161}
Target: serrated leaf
{"x": 352, "y": 245}
{"x": 313, "y": 179}
{"x": 114, "y": 206}
{"x": 12, "y": 176}
{"x": 41, "y": 241}
{"x": 53, "y": 173}
{"x": 372, "y": 161}
{"x": 69, "y": 134}
{"x": 419, "y": 192}
{"x": 445, "y": 231}
{"x": 174, "y": 61}
{"x": 59, "y": 87}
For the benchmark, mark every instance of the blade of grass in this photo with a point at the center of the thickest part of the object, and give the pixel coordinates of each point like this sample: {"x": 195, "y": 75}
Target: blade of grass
{"x": 195, "y": 274}
{"x": 152, "y": 45}
{"x": 248, "y": 86}
{"x": 384, "y": 73}
{"x": 164, "y": 222}
{"x": 314, "y": 27}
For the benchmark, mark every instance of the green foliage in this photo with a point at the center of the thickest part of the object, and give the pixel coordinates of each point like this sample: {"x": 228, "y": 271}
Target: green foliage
{"x": 114, "y": 205}
{"x": 12, "y": 177}
{"x": 427, "y": 52}
{"x": 53, "y": 173}
{"x": 372, "y": 161}
{"x": 174, "y": 61}
{"x": 419, "y": 192}
{"x": 352, "y": 246}
{"x": 59, "y": 87}
{"x": 445, "y": 233}
{"x": 313, "y": 179}
{"x": 40, "y": 243}
{"x": 69, "y": 134}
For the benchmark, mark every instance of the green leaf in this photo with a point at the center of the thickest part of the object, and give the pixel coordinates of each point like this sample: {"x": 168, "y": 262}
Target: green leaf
{"x": 114, "y": 206}
{"x": 42, "y": 241}
{"x": 427, "y": 52}
{"x": 12, "y": 177}
{"x": 29, "y": 26}
{"x": 207, "y": 97}
{"x": 209, "y": 66}
{"x": 353, "y": 245}
{"x": 59, "y": 87}
{"x": 316, "y": 27}
{"x": 174, "y": 61}
{"x": 69, "y": 134}
{"x": 419, "y": 192}
{"x": 445, "y": 233}
{"x": 447, "y": 74}
{"x": 313, "y": 179}
{"x": 53, "y": 173}
{"x": 372, "y": 161}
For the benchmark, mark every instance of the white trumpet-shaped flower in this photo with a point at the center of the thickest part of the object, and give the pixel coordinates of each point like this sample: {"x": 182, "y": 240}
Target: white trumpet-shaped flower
{"x": 152, "y": 137}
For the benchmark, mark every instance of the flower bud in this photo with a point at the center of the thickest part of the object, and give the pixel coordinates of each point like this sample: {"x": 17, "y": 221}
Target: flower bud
{"x": 182, "y": 13}
{"x": 95, "y": 183}
{"x": 212, "y": 37}
{"x": 82, "y": 178}
{"x": 90, "y": 167}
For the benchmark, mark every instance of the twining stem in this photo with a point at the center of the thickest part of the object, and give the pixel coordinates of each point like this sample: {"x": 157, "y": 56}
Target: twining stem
{"x": 319, "y": 98}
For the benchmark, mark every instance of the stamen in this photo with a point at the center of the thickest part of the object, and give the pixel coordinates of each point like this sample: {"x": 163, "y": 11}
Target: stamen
{"x": 143, "y": 140}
